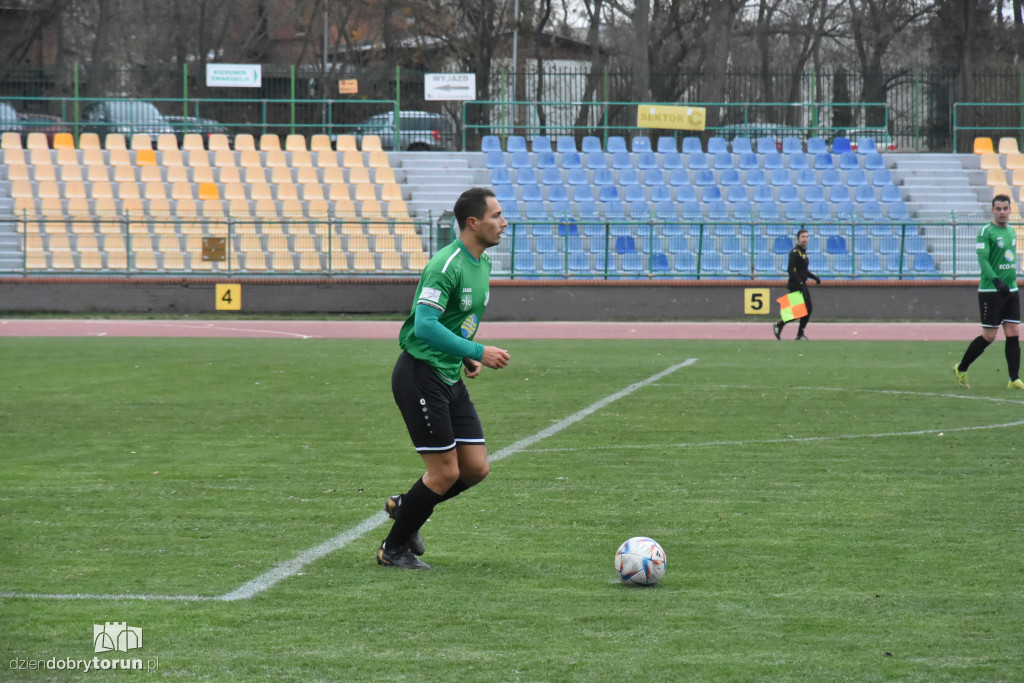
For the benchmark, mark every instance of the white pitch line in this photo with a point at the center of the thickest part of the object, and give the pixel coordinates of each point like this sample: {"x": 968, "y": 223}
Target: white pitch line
{"x": 310, "y": 555}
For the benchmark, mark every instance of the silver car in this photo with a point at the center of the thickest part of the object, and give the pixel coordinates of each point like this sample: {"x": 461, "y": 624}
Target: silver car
{"x": 419, "y": 131}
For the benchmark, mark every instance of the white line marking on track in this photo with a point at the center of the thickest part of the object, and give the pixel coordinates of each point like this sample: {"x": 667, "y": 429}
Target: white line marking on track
{"x": 294, "y": 565}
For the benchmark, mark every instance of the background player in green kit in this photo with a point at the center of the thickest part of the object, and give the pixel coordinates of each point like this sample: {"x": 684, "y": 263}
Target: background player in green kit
{"x": 998, "y": 297}
{"x": 437, "y": 345}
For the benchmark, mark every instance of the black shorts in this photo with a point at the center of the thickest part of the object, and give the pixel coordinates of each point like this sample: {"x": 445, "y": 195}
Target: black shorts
{"x": 438, "y": 415}
{"x": 997, "y": 309}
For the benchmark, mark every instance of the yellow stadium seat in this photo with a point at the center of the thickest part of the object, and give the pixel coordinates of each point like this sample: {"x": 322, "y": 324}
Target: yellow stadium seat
{"x": 89, "y": 141}
{"x": 171, "y": 157}
{"x": 338, "y": 192}
{"x": 193, "y": 142}
{"x": 154, "y": 174}
{"x": 74, "y": 190}
{"x": 239, "y": 209}
{"x": 990, "y": 161}
{"x": 364, "y": 260}
{"x": 10, "y": 140}
{"x": 250, "y": 159}
{"x": 40, "y": 157}
{"x": 983, "y": 145}
{"x": 1003, "y": 189}
{"x": 245, "y": 142}
{"x": 301, "y": 158}
{"x": 114, "y": 141}
{"x": 43, "y": 173}
{"x": 18, "y": 172}
{"x": 198, "y": 158}
{"x": 201, "y": 174}
{"x": 295, "y": 142}
{"x": 996, "y": 177}
{"x": 208, "y": 191}
{"x": 1017, "y": 180}
{"x": 352, "y": 159}
{"x": 312, "y": 192}
{"x": 37, "y": 140}
{"x": 142, "y": 141}
{"x": 307, "y": 175}
{"x": 145, "y": 157}
{"x": 124, "y": 174}
{"x": 266, "y": 208}
{"x": 320, "y": 143}
{"x": 366, "y": 192}
{"x": 416, "y": 261}
{"x": 285, "y": 191}
{"x": 358, "y": 176}
{"x": 327, "y": 160}
{"x": 390, "y": 192}
{"x": 155, "y": 190}
{"x": 70, "y": 173}
{"x": 334, "y": 175}
{"x": 100, "y": 189}
{"x": 383, "y": 176}
{"x": 63, "y": 141}
{"x": 275, "y": 159}
{"x": 378, "y": 159}
{"x": 1014, "y": 161}
{"x": 258, "y": 191}
{"x": 310, "y": 261}
{"x": 346, "y": 143}
{"x": 345, "y": 207}
{"x": 1008, "y": 146}
{"x": 255, "y": 174}
{"x": 47, "y": 189}
{"x": 228, "y": 174}
{"x": 219, "y": 142}
{"x": 165, "y": 141}
{"x": 182, "y": 191}
{"x": 270, "y": 142}
{"x": 281, "y": 174}
{"x": 234, "y": 191}
{"x": 371, "y": 143}
{"x": 14, "y": 155}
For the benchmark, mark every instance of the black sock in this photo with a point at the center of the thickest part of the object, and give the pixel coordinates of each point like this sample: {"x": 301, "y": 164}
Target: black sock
{"x": 417, "y": 506}
{"x": 458, "y": 487}
{"x": 803, "y": 323}
{"x": 976, "y": 348}
{"x": 781, "y": 324}
{"x": 1013, "y": 357}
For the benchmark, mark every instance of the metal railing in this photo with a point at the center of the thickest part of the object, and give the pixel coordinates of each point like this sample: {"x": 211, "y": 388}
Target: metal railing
{"x": 986, "y": 119}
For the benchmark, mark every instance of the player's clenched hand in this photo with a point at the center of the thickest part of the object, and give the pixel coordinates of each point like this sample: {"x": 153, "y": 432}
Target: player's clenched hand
{"x": 1002, "y": 288}
{"x": 472, "y": 367}
{"x": 494, "y": 357}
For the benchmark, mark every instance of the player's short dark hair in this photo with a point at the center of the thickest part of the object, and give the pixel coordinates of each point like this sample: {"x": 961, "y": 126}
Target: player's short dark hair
{"x": 800, "y": 232}
{"x": 1001, "y": 198}
{"x": 472, "y": 202}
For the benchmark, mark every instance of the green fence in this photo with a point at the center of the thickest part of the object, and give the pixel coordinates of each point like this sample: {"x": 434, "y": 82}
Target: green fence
{"x": 981, "y": 119}
{"x": 561, "y": 247}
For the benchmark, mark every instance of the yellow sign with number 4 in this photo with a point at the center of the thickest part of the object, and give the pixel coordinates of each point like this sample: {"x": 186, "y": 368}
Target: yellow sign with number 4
{"x": 229, "y": 297}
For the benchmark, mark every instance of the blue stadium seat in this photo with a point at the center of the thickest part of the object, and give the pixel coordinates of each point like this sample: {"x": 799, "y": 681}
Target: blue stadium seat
{"x": 895, "y": 263}
{"x": 635, "y": 193}
{"x": 546, "y": 160}
{"x": 557, "y": 193}
{"x": 616, "y": 143}
{"x": 794, "y": 211}
{"x": 717, "y": 210}
{"x": 924, "y": 264}
{"x": 748, "y": 161}
{"x": 685, "y": 262}
{"x": 796, "y": 161}
{"x": 765, "y": 263}
{"x": 625, "y": 245}
{"x": 914, "y": 244}
{"x": 678, "y": 176}
{"x": 608, "y": 193}
{"x": 629, "y": 176}
{"x": 831, "y": 178}
{"x": 551, "y": 176}
{"x": 561, "y": 207}
{"x": 842, "y": 264}
{"x": 791, "y": 145}
{"x": 738, "y": 264}
{"x": 848, "y": 160}
{"x": 519, "y": 160}
{"x": 754, "y": 177}
{"x": 742, "y": 145}
{"x": 711, "y": 262}
{"x": 621, "y": 160}
{"x": 839, "y": 193}
{"x": 743, "y": 210}
{"x": 495, "y": 160}
{"x": 873, "y": 161}
{"x": 871, "y": 210}
{"x": 840, "y": 145}
{"x": 731, "y": 245}
{"x": 866, "y": 146}
{"x": 587, "y": 210}
{"x": 654, "y": 177}
{"x": 672, "y": 161}
{"x": 547, "y": 245}
{"x": 578, "y": 262}
{"x": 816, "y": 145}
{"x": 596, "y": 160}
{"x": 646, "y": 160}
{"x": 788, "y": 193}
{"x": 582, "y": 193}
{"x": 772, "y": 161}
{"x": 515, "y": 143}
{"x": 880, "y": 230}
{"x": 856, "y": 178}
{"x": 844, "y": 209}
{"x": 717, "y": 144}
{"x": 763, "y": 193}
{"x": 782, "y": 245}
{"x": 591, "y": 144}
{"x": 730, "y": 178}
{"x": 526, "y": 176}
{"x": 897, "y": 210}
{"x": 779, "y": 177}
{"x": 881, "y": 178}
{"x": 571, "y": 160}
{"x": 603, "y": 177}
{"x": 541, "y": 143}
{"x": 692, "y": 145}
{"x": 641, "y": 144}
{"x": 820, "y": 211}
{"x": 814, "y": 194}
{"x": 710, "y": 193}
{"x": 659, "y": 263}
{"x": 697, "y": 161}
{"x": 677, "y": 244}
{"x": 863, "y": 245}
{"x": 806, "y": 177}
{"x": 577, "y": 176}
{"x": 667, "y": 144}
{"x": 870, "y": 264}
{"x": 639, "y": 210}
{"x": 864, "y": 193}
{"x": 766, "y": 144}
{"x": 722, "y": 160}
{"x": 704, "y": 177}
{"x": 490, "y": 143}
{"x": 686, "y": 193}
{"x": 836, "y": 245}
{"x": 661, "y": 193}
{"x": 889, "y": 245}
{"x": 565, "y": 144}
{"x": 500, "y": 176}
{"x": 736, "y": 193}
{"x": 691, "y": 210}
{"x": 504, "y": 193}
{"x": 510, "y": 209}
{"x": 823, "y": 161}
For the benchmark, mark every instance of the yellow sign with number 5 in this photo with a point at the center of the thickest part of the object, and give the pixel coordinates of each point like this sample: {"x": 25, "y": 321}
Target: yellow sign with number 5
{"x": 757, "y": 301}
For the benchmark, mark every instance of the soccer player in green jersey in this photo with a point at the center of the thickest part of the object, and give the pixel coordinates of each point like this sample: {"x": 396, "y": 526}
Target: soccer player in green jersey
{"x": 998, "y": 296}
{"x": 437, "y": 346}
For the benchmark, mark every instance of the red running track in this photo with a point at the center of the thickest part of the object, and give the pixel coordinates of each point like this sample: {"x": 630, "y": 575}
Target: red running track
{"x": 388, "y": 329}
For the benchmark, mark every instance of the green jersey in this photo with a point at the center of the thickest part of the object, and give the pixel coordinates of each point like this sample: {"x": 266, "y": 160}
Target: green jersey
{"x": 458, "y": 286}
{"x": 997, "y": 256}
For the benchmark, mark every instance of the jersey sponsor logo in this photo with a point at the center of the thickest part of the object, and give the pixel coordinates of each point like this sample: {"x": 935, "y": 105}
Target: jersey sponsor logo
{"x": 466, "y": 302}
{"x": 1009, "y": 255}
{"x": 430, "y": 294}
{"x": 980, "y": 246}
{"x": 469, "y": 326}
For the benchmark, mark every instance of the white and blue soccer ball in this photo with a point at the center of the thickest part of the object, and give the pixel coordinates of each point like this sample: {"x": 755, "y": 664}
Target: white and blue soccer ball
{"x": 640, "y": 561}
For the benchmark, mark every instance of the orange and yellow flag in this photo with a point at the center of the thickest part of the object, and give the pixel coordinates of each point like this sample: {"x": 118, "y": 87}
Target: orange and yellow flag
{"x": 792, "y": 306}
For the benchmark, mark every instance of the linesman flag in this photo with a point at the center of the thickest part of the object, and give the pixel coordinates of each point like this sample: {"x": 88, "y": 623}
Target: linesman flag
{"x": 792, "y": 306}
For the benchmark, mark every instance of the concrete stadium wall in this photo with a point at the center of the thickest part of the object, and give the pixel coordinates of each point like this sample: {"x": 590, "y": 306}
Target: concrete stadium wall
{"x": 510, "y": 300}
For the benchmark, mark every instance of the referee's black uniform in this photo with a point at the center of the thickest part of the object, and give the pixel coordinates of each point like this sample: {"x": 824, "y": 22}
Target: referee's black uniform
{"x": 799, "y": 273}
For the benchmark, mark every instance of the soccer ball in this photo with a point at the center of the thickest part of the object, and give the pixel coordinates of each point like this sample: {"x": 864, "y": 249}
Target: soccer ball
{"x": 640, "y": 561}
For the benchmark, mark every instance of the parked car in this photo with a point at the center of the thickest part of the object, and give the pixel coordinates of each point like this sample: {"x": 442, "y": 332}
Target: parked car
{"x": 124, "y": 116}
{"x": 883, "y": 141}
{"x": 183, "y": 125}
{"x": 42, "y": 123}
{"x": 419, "y": 131}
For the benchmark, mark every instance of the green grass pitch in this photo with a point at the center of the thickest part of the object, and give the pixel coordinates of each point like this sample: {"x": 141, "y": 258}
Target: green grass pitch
{"x": 818, "y": 526}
